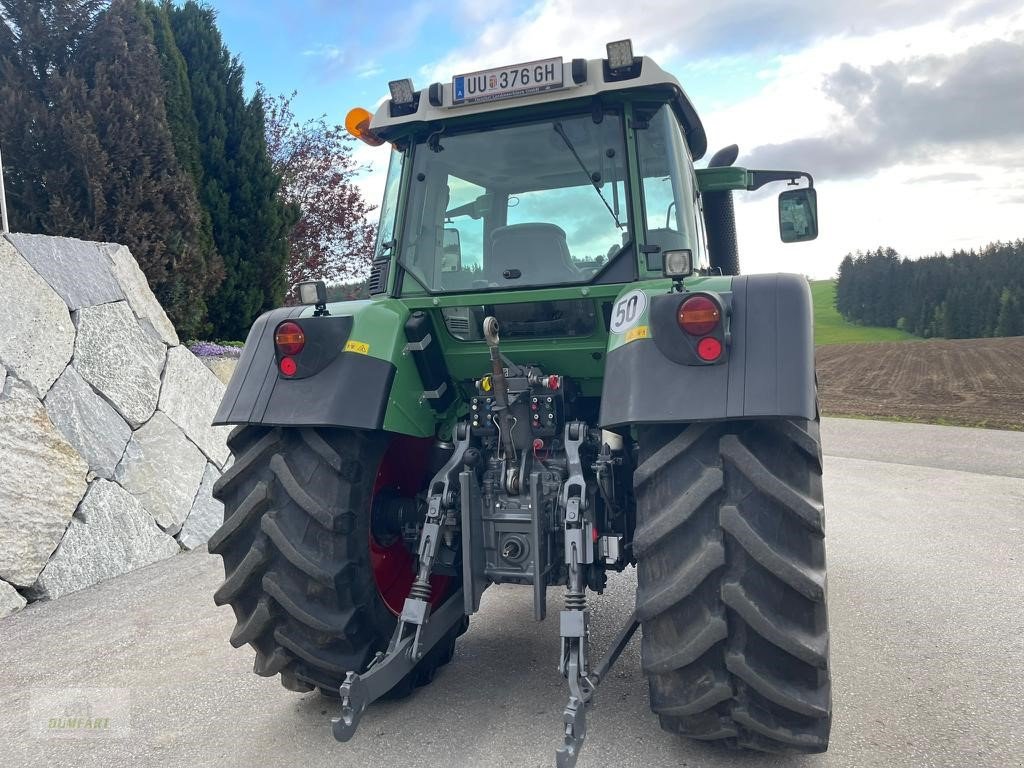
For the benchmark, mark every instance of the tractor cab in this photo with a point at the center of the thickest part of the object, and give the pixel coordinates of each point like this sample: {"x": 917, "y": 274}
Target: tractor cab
{"x": 583, "y": 177}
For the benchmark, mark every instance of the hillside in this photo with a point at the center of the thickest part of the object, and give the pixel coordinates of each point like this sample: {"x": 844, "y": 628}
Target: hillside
{"x": 831, "y": 328}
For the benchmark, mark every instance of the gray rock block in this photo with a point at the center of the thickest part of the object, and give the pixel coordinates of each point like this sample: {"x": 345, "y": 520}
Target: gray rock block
{"x": 207, "y": 513}
{"x": 120, "y": 360}
{"x": 110, "y": 534}
{"x": 42, "y": 479}
{"x": 223, "y": 367}
{"x": 88, "y": 422}
{"x": 163, "y": 470}
{"x": 10, "y": 600}
{"x": 77, "y": 270}
{"x": 190, "y": 396}
{"x": 141, "y": 299}
{"x": 36, "y": 333}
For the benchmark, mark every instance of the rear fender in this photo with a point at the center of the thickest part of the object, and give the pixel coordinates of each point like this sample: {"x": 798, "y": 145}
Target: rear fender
{"x": 358, "y": 374}
{"x": 767, "y": 369}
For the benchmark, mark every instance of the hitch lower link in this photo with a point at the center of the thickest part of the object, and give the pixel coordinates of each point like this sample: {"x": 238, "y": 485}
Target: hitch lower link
{"x": 574, "y": 663}
{"x": 418, "y": 629}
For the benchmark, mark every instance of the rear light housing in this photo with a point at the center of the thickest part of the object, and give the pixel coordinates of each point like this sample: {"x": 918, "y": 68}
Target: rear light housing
{"x": 699, "y": 315}
{"x": 691, "y": 327}
{"x": 289, "y": 339}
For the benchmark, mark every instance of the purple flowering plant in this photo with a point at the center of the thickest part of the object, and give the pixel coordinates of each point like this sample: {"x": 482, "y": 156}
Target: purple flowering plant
{"x": 213, "y": 349}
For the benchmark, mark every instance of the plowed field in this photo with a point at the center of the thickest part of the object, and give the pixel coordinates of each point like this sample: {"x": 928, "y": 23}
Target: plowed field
{"x": 973, "y": 382}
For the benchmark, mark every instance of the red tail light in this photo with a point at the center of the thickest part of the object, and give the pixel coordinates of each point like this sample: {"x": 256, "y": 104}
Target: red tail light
{"x": 288, "y": 366}
{"x": 699, "y": 315}
{"x": 289, "y": 338}
{"x": 709, "y": 349}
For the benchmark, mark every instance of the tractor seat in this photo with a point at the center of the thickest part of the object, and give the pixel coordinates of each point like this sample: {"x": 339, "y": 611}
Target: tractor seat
{"x": 538, "y": 251}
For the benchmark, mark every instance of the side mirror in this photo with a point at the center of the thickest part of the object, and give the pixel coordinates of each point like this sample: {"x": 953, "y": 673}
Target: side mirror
{"x": 798, "y": 215}
{"x": 451, "y": 251}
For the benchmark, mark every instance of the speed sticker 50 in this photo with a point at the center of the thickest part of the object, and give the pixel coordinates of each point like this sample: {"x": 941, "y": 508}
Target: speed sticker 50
{"x": 628, "y": 310}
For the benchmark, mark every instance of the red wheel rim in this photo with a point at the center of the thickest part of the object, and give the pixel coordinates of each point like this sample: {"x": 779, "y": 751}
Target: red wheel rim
{"x": 403, "y": 470}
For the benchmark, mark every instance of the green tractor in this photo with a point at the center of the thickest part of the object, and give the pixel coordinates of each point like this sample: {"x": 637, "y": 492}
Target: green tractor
{"x": 559, "y": 374}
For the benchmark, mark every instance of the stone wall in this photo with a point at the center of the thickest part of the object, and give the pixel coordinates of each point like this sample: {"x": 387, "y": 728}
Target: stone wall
{"x": 107, "y": 456}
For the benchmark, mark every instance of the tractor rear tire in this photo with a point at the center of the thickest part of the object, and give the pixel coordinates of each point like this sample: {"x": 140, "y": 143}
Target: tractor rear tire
{"x": 296, "y": 549}
{"x": 731, "y": 582}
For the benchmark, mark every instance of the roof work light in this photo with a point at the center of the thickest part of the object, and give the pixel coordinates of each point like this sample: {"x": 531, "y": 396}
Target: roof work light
{"x": 401, "y": 91}
{"x": 404, "y": 99}
{"x": 621, "y": 64}
{"x": 620, "y": 54}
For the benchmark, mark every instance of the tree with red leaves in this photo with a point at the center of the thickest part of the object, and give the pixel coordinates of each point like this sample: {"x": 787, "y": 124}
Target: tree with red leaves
{"x": 332, "y": 240}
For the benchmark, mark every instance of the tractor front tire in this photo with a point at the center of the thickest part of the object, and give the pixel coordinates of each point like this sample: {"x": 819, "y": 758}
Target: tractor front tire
{"x": 296, "y": 548}
{"x": 731, "y": 582}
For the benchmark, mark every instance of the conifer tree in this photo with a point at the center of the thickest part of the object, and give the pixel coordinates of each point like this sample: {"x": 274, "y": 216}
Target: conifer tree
{"x": 92, "y": 149}
{"x": 968, "y": 294}
{"x": 181, "y": 118}
{"x": 37, "y": 43}
{"x": 238, "y": 186}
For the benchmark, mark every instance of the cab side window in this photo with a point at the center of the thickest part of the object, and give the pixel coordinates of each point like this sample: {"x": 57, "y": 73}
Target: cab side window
{"x": 666, "y": 174}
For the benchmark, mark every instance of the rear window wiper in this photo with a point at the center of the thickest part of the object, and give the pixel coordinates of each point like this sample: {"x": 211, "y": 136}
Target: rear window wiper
{"x": 590, "y": 177}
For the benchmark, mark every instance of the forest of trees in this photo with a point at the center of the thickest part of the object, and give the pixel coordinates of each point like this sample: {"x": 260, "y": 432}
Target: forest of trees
{"x": 968, "y": 294}
{"x": 127, "y": 121}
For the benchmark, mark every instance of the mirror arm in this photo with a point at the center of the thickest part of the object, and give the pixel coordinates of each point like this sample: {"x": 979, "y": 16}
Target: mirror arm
{"x": 469, "y": 209}
{"x": 759, "y": 178}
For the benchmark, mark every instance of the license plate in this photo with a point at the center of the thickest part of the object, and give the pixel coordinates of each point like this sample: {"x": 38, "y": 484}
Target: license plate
{"x": 507, "y": 82}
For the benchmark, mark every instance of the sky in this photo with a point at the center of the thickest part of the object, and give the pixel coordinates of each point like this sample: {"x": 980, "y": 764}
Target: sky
{"x": 908, "y": 113}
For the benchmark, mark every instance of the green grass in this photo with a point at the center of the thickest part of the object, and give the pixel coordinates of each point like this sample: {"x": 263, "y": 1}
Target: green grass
{"x": 831, "y": 328}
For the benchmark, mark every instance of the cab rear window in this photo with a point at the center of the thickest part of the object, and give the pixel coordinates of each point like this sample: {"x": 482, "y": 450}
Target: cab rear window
{"x": 528, "y": 320}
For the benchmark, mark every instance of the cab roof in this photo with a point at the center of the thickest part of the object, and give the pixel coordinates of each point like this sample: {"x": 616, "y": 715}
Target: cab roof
{"x": 436, "y": 102}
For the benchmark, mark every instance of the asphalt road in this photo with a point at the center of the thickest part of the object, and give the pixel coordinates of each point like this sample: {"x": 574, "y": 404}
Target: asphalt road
{"x": 925, "y": 547}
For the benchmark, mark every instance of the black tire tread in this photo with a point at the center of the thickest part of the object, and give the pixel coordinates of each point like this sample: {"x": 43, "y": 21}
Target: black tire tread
{"x": 244, "y": 574}
{"x": 731, "y": 582}
{"x": 319, "y": 569}
{"x": 663, "y": 523}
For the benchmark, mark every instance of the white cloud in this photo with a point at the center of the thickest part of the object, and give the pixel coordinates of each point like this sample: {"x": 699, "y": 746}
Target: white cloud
{"x": 326, "y": 52}
{"x": 369, "y": 69}
{"x": 791, "y": 47}
{"x": 917, "y": 219}
{"x": 896, "y": 206}
{"x": 670, "y": 31}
